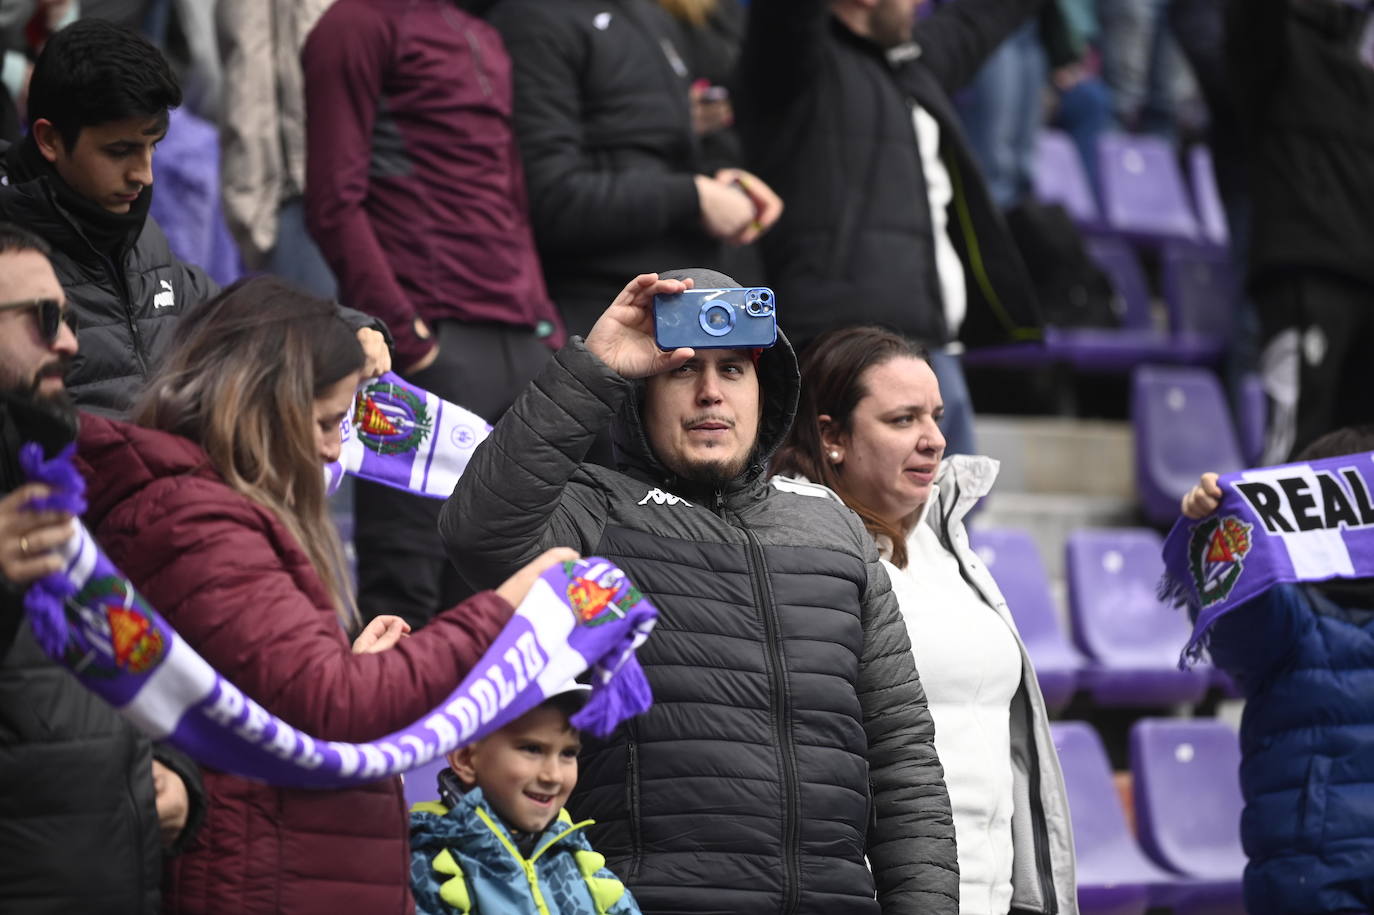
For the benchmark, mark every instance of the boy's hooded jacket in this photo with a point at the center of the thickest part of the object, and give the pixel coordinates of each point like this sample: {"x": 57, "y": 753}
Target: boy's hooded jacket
{"x": 463, "y": 859}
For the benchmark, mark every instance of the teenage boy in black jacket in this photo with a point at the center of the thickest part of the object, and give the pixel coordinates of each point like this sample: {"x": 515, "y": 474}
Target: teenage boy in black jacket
{"x": 82, "y": 180}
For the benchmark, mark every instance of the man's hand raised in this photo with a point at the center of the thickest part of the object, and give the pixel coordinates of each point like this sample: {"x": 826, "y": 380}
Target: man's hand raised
{"x": 623, "y": 337}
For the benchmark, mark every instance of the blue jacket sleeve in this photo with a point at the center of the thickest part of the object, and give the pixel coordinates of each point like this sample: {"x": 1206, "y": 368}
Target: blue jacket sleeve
{"x": 1256, "y": 640}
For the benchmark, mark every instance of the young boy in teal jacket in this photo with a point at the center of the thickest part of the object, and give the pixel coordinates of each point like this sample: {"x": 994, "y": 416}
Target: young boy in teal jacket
{"x": 500, "y": 840}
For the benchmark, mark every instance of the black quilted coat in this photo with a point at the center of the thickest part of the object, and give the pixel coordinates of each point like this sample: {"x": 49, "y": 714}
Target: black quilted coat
{"x": 789, "y": 737}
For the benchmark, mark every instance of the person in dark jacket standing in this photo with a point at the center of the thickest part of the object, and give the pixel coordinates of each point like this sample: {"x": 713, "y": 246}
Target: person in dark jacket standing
{"x": 789, "y": 738}
{"x": 1303, "y": 657}
{"x": 603, "y": 116}
{"x": 416, "y": 196}
{"x": 82, "y": 180}
{"x": 846, "y": 113}
{"x": 1302, "y": 76}
{"x": 80, "y": 784}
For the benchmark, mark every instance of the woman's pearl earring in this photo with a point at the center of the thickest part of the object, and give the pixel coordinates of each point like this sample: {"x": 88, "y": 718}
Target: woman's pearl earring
{"x": 834, "y": 456}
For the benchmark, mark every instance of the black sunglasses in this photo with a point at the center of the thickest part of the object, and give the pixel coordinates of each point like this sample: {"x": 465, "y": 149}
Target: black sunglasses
{"x": 52, "y": 314}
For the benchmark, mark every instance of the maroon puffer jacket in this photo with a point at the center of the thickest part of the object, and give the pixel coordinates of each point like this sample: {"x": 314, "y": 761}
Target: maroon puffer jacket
{"x": 231, "y": 579}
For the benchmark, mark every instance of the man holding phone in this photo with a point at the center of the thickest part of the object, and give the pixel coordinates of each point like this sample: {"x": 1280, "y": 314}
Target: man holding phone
{"x": 789, "y": 740}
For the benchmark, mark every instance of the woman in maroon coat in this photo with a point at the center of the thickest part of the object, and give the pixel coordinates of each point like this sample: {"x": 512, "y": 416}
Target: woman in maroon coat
{"x": 214, "y": 505}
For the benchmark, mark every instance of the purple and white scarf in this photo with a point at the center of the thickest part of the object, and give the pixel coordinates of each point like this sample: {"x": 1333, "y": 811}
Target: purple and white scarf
{"x": 579, "y": 617}
{"x": 1290, "y": 523}
{"x": 406, "y": 438}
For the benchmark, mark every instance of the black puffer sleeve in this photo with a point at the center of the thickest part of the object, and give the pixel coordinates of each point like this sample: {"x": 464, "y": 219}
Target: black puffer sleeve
{"x": 523, "y": 491}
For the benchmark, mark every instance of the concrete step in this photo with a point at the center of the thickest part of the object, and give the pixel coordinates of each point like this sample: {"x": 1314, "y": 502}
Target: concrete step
{"x": 1059, "y": 455}
{"x": 1058, "y": 475}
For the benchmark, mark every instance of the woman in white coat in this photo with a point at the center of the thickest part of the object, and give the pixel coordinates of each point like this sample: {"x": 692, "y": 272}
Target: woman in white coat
{"x": 868, "y": 428}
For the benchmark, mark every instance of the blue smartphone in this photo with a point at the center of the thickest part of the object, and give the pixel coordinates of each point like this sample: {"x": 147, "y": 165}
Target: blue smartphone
{"x": 716, "y": 319}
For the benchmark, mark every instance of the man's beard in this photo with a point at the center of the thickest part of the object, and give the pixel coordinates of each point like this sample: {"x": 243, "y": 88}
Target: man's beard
{"x": 711, "y": 475}
{"x": 58, "y": 402}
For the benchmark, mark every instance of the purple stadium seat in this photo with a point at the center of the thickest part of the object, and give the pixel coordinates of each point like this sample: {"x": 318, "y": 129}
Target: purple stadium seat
{"x": 186, "y": 204}
{"x": 1187, "y": 795}
{"x": 1200, "y": 289}
{"x": 1188, "y": 805}
{"x": 1060, "y": 177}
{"x": 1253, "y": 419}
{"x": 343, "y": 522}
{"x": 1114, "y": 876}
{"x": 1011, "y": 556}
{"x": 422, "y": 784}
{"x": 1182, "y": 429}
{"x": 1143, "y": 193}
{"x": 1131, "y": 637}
{"x": 1211, "y": 213}
{"x": 1118, "y": 260}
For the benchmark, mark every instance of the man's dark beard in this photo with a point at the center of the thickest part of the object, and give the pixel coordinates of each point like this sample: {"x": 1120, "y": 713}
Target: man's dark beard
{"x": 48, "y": 419}
{"x": 58, "y": 403}
{"x": 712, "y": 476}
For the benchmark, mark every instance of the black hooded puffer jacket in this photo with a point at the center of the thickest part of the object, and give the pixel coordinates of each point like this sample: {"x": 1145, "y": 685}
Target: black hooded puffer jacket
{"x": 789, "y": 736}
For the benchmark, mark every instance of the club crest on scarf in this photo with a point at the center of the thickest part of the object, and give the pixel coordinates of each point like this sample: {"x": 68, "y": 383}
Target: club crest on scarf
{"x": 1217, "y": 556}
{"x": 593, "y": 598}
{"x": 115, "y": 622}
{"x": 390, "y": 419}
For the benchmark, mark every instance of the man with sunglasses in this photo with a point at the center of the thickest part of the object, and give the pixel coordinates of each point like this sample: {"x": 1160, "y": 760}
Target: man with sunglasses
{"x": 80, "y": 783}
{"x": 97, "y": 107}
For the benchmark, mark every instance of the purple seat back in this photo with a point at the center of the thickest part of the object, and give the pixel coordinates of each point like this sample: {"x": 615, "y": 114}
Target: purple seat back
{"x": 1253, "y": 418}
{"x": 186, "y": 198}
{"x": 1182, "y": 429}
{"x": 1012, "y": 558}
{"x": 1199, "y": 288}
{"x": 1187, "y": 795}
{"x": 1118, "y": 260}
{"x": 1211, "y": 213}
{"x": 1060, "y": 177}
{"x": 1118, "y": 621}
{"x": 1107, "y": 855}
{"x": 1143, "y": 193}
{"x": 422, "y": 784}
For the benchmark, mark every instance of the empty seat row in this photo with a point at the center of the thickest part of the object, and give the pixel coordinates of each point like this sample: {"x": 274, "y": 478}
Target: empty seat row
{"x": 1126, "y": 642}
{"x": 1145, "y": 201}
{"x": 1198, "y": 288}
{"x": 1143, "y": 195}
{"x": 1187, "y": 800}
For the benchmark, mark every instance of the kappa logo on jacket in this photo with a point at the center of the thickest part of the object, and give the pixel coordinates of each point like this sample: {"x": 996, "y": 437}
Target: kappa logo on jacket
{"x": 165, "y": 298}
{"x": 659, "y": 497}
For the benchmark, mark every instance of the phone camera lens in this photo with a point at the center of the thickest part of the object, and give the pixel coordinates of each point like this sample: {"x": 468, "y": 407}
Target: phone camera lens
{"x": 717, "y": 320}
{"x": 764, "y": 296}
